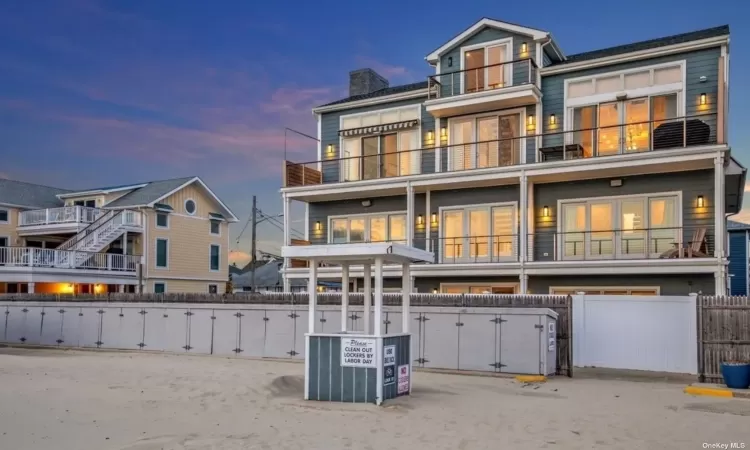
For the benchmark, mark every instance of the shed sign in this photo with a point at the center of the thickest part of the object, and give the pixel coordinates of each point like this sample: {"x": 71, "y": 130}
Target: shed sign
{"x": 358, "y": 352}
{"x": 389, "y": 365}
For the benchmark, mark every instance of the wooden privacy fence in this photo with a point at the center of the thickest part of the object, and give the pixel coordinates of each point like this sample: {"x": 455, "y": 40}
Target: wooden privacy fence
{"x": 723, "y": 333}
{"x": 560, "y": 304}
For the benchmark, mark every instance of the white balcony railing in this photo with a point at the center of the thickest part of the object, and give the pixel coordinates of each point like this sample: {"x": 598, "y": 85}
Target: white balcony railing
{"x": 63, "y": 215}
{"x": 63, "y": 259}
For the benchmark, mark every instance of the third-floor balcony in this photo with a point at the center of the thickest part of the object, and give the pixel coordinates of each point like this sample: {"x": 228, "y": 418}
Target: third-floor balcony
{"x": 603, "y": 143}
{"x": 66, "y": 219}
{"x": 485, "y": 88}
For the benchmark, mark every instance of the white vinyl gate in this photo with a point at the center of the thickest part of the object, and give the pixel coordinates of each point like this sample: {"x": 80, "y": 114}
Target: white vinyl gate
{"x": 656, "y": 333}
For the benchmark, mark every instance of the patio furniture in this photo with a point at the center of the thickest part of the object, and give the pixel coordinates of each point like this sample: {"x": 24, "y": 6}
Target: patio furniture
{"x": 694, "y": 248}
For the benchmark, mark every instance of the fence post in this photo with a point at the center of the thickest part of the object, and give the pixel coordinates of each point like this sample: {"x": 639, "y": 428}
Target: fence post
{"x": 699, "y": 336}
{"x": 569, "y": 304}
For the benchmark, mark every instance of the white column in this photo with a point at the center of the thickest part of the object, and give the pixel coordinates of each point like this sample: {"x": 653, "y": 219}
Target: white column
{"x": 344, "y": 295}
{"x": 125, "y": 243}
{"x": 524, "y": 283}
{"x": 378, "y": 296}
{"x": 438, "y": 143}
{"x": 410, "y": 223}
{"x": 287, "y": 240}
{"x": 31, "y": 288}
{"x": 368, "y": 297}
{"x": 121, "y": 288}
{"x": 528, "y": 240}
{"x": 719, "y": 216}
{"x": 427, "y": 222}
{"x": 406, "y": 288}
{"x": 524, "y": 216}
{"x": 312, "y": 290}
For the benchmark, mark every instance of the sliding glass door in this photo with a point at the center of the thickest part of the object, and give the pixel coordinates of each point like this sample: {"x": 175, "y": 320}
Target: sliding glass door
{"x": 489, "y": 141}
{"x": 489, "y": 234}
{"x": 487, "y": 68}
{"x": 383, "y": 156}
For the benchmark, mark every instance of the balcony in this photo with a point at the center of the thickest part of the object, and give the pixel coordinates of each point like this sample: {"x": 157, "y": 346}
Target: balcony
{"x": 666, "y": 243}
{"x": 26, "y": 258}
{"x": 487, "y": 88}
{"x": 472, "y": 249}
{"x": 601, "y": 143}
{"x": 66, "y": 219}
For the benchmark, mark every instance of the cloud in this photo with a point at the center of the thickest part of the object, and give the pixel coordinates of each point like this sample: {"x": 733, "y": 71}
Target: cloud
{"x": 747, "y": 186}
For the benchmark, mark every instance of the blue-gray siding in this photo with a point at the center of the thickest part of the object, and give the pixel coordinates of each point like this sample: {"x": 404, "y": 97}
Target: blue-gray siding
{"x": 329, "y": 129}
{"x": 403, "y": 356}
{"x": 328, "y": 381}
{"x": 738, "y": 261}
{"x": 451, "y": 84}
{"x": 698, "y": 63}
{"x": 691, "y": 184}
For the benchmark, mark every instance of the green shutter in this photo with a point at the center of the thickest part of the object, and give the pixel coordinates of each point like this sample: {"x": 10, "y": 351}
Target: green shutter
{"x": 161, "y": 253}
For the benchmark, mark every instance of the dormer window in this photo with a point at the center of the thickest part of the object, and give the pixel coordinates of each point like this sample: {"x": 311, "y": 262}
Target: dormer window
{"x": 486, "y": 66}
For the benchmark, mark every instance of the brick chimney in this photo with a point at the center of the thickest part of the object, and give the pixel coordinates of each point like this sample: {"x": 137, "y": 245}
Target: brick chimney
{"x": 365, "y": 81}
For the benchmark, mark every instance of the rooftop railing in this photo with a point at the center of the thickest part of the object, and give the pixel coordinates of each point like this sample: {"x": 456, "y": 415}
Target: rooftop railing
{"x": 62, "y": 215}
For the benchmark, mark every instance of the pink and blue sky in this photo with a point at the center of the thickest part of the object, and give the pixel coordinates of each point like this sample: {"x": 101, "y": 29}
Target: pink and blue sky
{"x": 96, "y": 92}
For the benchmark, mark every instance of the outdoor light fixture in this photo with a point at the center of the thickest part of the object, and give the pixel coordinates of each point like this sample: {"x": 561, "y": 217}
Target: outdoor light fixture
{"x": 366, "y": 203}
{"x": 317, "y": 226}
{"x": 433, "y": 218}
{"x": 530, "y": 121}
{"x": 443, "y": 132}
{"x": 545, "y": 211}
{"x": 701, "y": 203}
{"x": 703, "y": 98}
{"x": 524, "y": 47}
{"x": 435, "y": 291}
{"x": 420, "y": 219}
{"x": 330, "y": 149}
{"x": 430, "y": 138}
{"x": 552, "y": 119}
{"x": 450, "y": 61}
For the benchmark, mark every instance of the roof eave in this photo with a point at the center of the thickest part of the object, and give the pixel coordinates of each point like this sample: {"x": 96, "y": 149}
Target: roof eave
{"x": 101, "y": 191}
{"x": 371, "y": 101}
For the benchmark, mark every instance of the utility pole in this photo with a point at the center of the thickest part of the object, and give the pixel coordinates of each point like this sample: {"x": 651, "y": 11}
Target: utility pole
{"x": 252, "y": 251}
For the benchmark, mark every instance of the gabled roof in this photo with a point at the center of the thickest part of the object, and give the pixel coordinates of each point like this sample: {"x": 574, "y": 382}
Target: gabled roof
{"x": 103, "y": 190}
{"x": 485, "y": 22}
{"x": 647, "y": 45}
{"x": 153, "y": 192}
{"x": 380, "y": 93}
{"x": 28, "y": 195}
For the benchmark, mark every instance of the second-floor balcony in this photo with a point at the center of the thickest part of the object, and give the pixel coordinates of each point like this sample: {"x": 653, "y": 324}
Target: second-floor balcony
{"x": 383, "y": 161}
{"x": 483, "y": 87}
{"x": 62, "y": 219}
{"x": 27, "y": 258}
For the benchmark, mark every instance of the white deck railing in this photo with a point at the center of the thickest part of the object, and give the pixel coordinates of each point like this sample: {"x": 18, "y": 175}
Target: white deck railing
{"x": 65, "y": 214}
{"x": 63, "y": 259}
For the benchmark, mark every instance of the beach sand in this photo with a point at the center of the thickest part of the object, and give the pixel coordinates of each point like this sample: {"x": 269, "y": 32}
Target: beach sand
{"x": 81, "y": 400}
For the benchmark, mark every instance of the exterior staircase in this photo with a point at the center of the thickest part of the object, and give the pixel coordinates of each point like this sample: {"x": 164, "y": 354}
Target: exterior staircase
{"x": 99, "y": 234}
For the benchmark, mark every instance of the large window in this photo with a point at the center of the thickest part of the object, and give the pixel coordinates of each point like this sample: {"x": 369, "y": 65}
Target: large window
{"x": 479, "y": 234}
{"x": 626, "y": 227}
{"x": 486, "y": 141}
{"x": 4, "y": 216}
{"x": 486, "y": 66}
{"x": 162, "y": 253}
{"x": 609, "y": 290}
{"x": 214, "y": 258}
{"x": 369, "y": 228}
{"x": 478, "y": 288}
{"x": 389, "y": 153}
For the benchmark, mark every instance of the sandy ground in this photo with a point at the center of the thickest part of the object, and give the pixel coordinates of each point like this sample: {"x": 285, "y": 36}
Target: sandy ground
{"x": 78, "y": 400}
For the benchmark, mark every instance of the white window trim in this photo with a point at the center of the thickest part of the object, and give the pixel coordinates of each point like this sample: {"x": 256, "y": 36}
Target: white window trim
{"x": 156, "y": 254}
{"x": 489, "y": 206}
{"x": 516, "y": 286}
{"x": 615, "y": 211}
{"x": 210, "y": 246}
{"x": 632, "y": 93}
{"x": 160, "y": 282}
{"x": 508, "y": 42}
{"x": 473, "y": 117}
{"x": 7, "y": 212}
{"x": 386, "y": 214}
{"x": 420, "y": 144}
{"x": 612, "y": 288}
{"x": 184, "y": 205}
{"x": 156, "y": 221}
{"x": 210, "y": 223}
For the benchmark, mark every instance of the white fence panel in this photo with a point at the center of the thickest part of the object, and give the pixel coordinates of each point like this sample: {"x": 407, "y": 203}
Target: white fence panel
{"x": 656, "y": 333}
